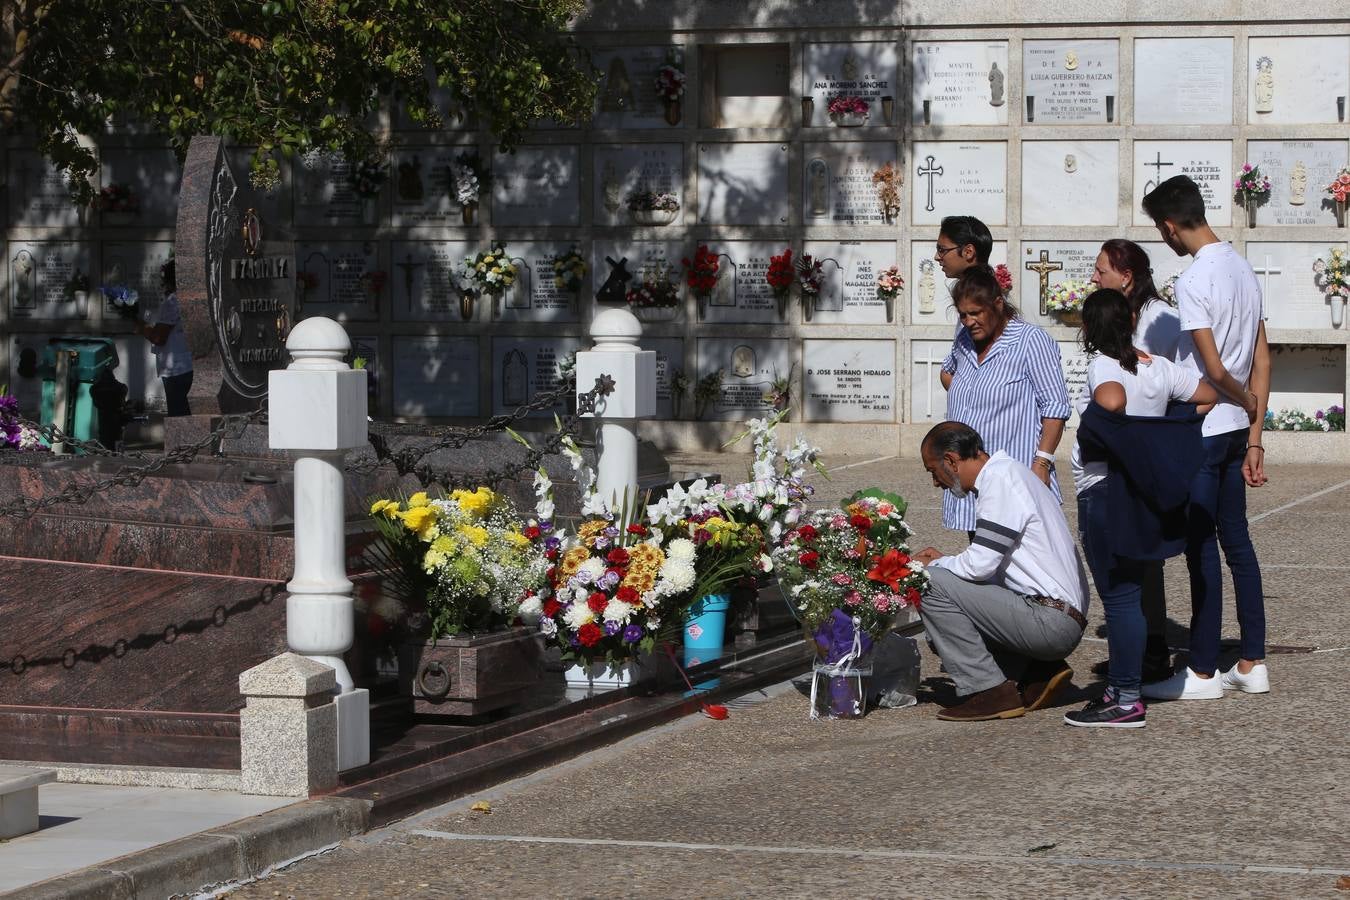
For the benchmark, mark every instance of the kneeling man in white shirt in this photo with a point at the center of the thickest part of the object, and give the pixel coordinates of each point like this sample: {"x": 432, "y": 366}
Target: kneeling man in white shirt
{"x": 1005, "y": 612}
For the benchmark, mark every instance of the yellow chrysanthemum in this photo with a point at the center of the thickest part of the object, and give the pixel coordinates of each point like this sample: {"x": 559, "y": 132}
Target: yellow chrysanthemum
{"x": 572, "y": 561}
{"x": 380, "y": 506}
{"x": 444, "y": 544}
{"x": 516, "y": 539}
{"x": 419, "y": 520}
{"x": 475, "y": 534}
{"x": 645, "y": 556}
{"x": 640, "y": 580}
{"x": 418, "y": 499}
{"x": 589, "y": 530}
{"x": 475, "y": 503}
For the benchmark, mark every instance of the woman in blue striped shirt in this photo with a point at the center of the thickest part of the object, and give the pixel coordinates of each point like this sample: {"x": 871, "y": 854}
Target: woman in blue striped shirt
{"x": 1003, "y": 378}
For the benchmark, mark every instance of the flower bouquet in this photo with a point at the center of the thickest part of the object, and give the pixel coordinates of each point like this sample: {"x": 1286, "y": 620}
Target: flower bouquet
{"x": 460, "y": 566}
{"x": 470, "y": 179}
{"x": 888, "y": 181}
{"x": 707, "y": 392}
{"x": 846, "y": 573}
{"x": 701, "y": 275}
{"x": 1168, "y": 290}
{"x": 373, "y": 282}
{"x": 653, "y": 207}
{"x": 367, "y": 177}
{"x": 488, "y": 272}
{"x": 780, "y": 276}
{"x": 125, "y": 301}
{"x": 1332, "y": 276}
{"x": 679, "y": 387}
{"x": 1250, "y": 189}
{"x": 569, "y": 271}
{"x": 655, "y": 298}
{"x": 1339, "y": 189}
{"x": 1004, "y": 279}
{"x": 1333, "y": 417}
{"x": 14, "y": 435}
{"x": 669, "y": 84}
{"x": 847, "y": 111}
{"x": 1297, "y": 420}
{"x": 810, "y": 278}
{"x": 889, "y": 285}
{"x": 1065, "y": 301}
{"x": 118, "y": 204}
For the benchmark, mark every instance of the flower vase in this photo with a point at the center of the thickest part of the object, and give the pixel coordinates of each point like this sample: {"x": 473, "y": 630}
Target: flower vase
{"x": 782, "y": 298}
{"x": 673, "y": 112}
{"x": 890, "y": 308}
{"x": 1250, "y": 205}
{"x": 656, "y": 313}
{"x": 467, "y": 211}
{"x": 1340, "y": 206}
{"x": 850, "y": 120}
{"x": 466, "y": 299}
{"x": 1073, "y": 318}
{"x": 602, "y": 676}
{"x": 842, "y": 670}
{"x": 369, "y": 211}
{"x": 654, "y": 216}
{"x": 808, "y": 306}
{"x": 81, "y": 299}
{"x": 705, "y": 627}
{"x": 1337, "y": 311}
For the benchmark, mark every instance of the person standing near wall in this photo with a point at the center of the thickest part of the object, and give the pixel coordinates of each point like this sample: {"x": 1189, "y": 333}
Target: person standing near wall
{"x": 168, "y": 341}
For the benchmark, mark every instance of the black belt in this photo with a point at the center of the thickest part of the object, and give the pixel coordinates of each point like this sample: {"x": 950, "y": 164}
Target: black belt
{"x": 1060, "y": 605}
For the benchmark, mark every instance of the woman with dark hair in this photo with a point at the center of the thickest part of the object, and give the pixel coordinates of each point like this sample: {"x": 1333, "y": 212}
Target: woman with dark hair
{"x": 1121, "y": 378}
{"x": 1124, "y": 266}
{"x": 1003, "y": 378}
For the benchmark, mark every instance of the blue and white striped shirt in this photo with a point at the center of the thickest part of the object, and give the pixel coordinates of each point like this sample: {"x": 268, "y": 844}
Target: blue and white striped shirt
{"x": 1004, "y": 397}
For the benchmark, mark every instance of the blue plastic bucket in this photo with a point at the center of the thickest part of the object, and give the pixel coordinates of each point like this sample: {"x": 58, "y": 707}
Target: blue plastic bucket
{"x": 705, "y": 628}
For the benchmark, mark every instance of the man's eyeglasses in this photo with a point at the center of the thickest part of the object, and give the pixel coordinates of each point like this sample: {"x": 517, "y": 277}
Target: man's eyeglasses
{"x": 943, "y": 251}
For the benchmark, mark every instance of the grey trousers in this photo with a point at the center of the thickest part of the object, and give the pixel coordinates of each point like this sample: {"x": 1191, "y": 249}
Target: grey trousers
{"x": 987, "y": 634}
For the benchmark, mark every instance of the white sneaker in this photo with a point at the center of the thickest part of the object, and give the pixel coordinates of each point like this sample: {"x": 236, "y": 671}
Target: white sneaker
{"x": 1184, "y": 685}
{"x": 1257, "y": 681}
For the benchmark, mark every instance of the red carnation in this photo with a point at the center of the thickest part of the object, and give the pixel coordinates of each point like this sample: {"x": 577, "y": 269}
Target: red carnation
{"x": 551, "y": 555}
{"x": 618, "y": 556}
{"x": 597, "y": 602}
{"x": 637, "y": 529}
{"x": 807, "y": 532}
{"x": 860, "y": 522}
{"x": 590, "y": 634}
{"x": 531, "y": 531}
{"x": 810, "y": 559}
{"x": 551, "y": 607}
{"x": 628, "y": 595}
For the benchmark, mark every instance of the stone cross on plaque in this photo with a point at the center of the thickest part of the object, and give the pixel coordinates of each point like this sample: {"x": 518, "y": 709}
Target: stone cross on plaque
{"x": 1157, "y": 165}
{"x": 1043, "y": 267}
{"x": 615, "y": 288}
{"x": 930, "y": 170}
{"x": 1265, "y": 272}
{"x": 928, "y": 361}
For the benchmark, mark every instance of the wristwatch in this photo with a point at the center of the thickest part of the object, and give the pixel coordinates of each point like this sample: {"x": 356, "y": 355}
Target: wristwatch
{"x": 1048, "y": 457}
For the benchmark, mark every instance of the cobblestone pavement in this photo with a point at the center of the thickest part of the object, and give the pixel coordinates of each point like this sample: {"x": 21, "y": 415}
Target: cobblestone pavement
{"x": 1239, "y": 797}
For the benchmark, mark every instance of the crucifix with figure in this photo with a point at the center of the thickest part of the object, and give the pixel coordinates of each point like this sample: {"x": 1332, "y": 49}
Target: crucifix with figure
{"x": 929, "y": 170}
{"x": 409, "y": 277}
{"x": 1043, "y": 267}
{"x": 1157, "y": 165}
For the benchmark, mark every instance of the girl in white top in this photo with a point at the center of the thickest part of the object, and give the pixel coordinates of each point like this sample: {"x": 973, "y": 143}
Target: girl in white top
{"x": 1121, "y": 379}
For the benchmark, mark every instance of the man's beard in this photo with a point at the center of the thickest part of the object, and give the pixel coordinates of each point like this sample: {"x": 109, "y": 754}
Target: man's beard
{"x": 955, "y": 487}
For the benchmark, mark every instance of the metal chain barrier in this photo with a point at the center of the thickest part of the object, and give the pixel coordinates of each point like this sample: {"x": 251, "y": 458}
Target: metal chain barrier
{"x": 54, "y": 435}
{"x": 128, "y": 476}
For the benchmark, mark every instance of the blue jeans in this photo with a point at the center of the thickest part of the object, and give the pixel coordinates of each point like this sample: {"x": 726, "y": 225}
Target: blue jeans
{"x": 1119, "y": 583}
{"x": 1218, "y": 517}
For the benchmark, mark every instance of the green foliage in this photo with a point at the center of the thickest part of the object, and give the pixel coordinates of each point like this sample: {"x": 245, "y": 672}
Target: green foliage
{"x": 284, "y": 76}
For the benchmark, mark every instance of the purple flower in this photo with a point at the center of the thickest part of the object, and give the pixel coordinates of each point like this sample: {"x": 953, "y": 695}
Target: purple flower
{"x": 547, "y": 528}
{"x": 579, "y": 580}
{"x": 612, "y": 628}
{"x": 632, "y": 634}
{"x": 608, "y": 581}
{"x": 551, "y": 543}
{"x": 602, "y": 542}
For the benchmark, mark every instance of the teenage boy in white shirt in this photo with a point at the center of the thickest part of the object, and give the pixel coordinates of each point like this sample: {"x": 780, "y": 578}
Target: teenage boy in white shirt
{"x": 1004, "y": 613}
{"x": 1224, "y": 340}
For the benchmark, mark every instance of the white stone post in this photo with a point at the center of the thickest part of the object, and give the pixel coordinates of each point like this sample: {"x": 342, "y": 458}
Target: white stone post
{"x": 317, "y": 408}
{"x": 616, "y": 354}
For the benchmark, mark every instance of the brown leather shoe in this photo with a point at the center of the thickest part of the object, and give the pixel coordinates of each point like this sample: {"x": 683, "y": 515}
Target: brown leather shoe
{"x": 998, "y": 702}
{"x": 1043, "y": 682}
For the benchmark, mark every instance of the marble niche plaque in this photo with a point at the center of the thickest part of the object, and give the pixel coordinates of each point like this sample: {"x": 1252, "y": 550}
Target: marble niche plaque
{"x": 133, "y": 264}
{"x": 1285, "y": 270}
{"x": 423, "y": 280}
{"x": 1183, "y": 81}
{"x": 743, "y": 184}
{"x": 1070, "y": 182}
{"x": 1073, "y": 361}
{"x": 421, "y": 186}
{"x": 669, "y": 360}
{"x": 534, "y": 297}
{"x": 947, "y": 178}
{"x": 1047, "y": 263}
{"x": 848, "y": 381}
{"x": 1298, "y": 79}
{"x": 927, "y": 397}
{"x": 152, "y": 174}
{"x": 620, "y": 170}
{"x": 329, "y": 279}
{"x": 1306, "y": 377}
{"x": 323, "y": 193}
{"x": 861, "y": 70}
{"x": 435, "y": 376}
{"x": 929, "y": 291}
{"x": 627, "y": 95}
{"x": 1070, "y": 82}
{"x": 959, "y": 83}
{"x": 1298, "y": 170}
{"x": 837, "y": 186}
{"x": 524, "y": 367}
{"x": 39, "y": 279}
{"x": 1164, "y": 261}
{"x": 37, "y": 194}
{"x": 367, "y": 347}
{"x": 536, "y": 186}
{"x": 749, "y": 367}
{"x": 642, "y": 260}
{"x": 848, "y": 293}
{"x": 1208, "y": 163}
{"x": 742, "y": 294}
